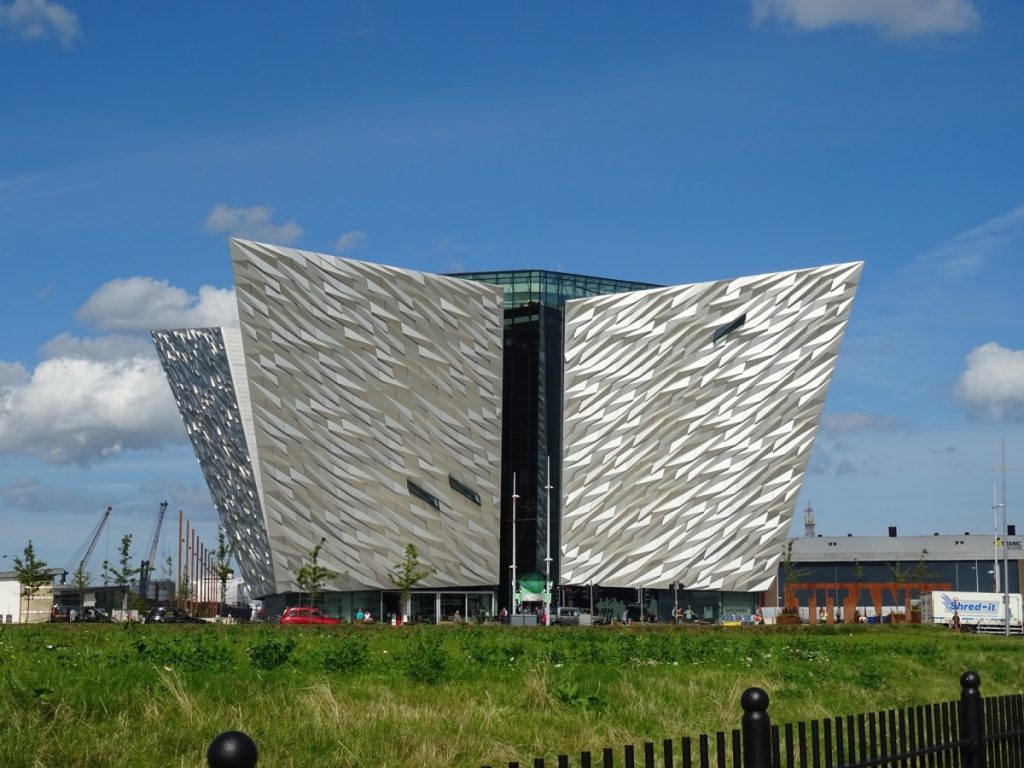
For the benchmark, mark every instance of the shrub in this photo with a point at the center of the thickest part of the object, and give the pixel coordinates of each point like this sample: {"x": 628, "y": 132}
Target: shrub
{"x": 271, "y": 651}
{"x": 426, "y": 662}
{"x": 348, "y": 655}
{"x": 188, "y": 650}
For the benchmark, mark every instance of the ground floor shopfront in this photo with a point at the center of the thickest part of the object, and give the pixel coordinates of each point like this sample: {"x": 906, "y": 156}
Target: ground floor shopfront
{"x": 427, "y": 606}
{"x": 435, "y": 606}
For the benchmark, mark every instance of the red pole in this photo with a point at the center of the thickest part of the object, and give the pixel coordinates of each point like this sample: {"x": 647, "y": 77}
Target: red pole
{"x": 202, "y": 570}
{"x": 209, "y": 577}
{"x": 184, "y": 594}
{"x": 195, "y": 569}
{"x": 178, "y": 580}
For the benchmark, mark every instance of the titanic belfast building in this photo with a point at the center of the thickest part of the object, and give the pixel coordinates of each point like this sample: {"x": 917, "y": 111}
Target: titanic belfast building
{"x": 604, "y": 434}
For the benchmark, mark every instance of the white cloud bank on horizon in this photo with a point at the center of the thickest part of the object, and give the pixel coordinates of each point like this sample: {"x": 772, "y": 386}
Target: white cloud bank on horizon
{"x": 252, "y": 223}
{"x": 39, "y": 20}
{"x": 12, "y": 374}
{"x": 144, "y": 304}
{"x": 95, "y": 397}
{"x": 75, "y": 410}
{"x": 992, "y": 385}
{"x": 895, "y": 18}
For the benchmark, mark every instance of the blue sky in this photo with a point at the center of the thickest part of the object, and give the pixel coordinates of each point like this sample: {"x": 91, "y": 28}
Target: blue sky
{"x": 664, "y": 142}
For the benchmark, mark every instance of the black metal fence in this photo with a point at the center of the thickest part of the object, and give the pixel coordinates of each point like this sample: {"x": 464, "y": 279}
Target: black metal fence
{"x": 970, "y": 733}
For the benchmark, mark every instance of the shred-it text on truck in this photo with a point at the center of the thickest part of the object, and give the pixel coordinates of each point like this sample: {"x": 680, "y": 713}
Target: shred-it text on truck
{"x": 978, "y": 611}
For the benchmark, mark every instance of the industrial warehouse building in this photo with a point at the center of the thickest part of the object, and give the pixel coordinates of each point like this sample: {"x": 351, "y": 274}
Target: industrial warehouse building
{"x": 598, "y": 434}
{"x": 880, "y": 574}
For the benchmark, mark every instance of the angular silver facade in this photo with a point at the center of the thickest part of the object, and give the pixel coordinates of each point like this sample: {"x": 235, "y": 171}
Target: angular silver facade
{"x": 206, "y": 374}
{"x": 364, "y": 379}
{"x": 689, "y": 418}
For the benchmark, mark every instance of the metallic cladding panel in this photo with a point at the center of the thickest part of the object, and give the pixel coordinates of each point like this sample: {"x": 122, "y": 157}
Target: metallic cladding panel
{"x": 682, "y": 455}
{"x": 363, "y": 378}
{"x": 198, "y": 370}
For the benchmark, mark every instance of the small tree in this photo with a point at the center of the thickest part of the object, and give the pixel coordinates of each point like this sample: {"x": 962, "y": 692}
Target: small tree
{"x": 899, "y": 573}
{"x": 31, "y": 576}
{"x": 184, "y": 588}
{"x": 222, "y": 564}
{"x": 406, "y": 575}
{"x": 922, "y": 572}
{"x": 791, "y": 574}
{"x": 311, "y": 575}
{"x": 122, "y": 575}
{"x": 80, "y": 578}
{"x": 168, "y": 571}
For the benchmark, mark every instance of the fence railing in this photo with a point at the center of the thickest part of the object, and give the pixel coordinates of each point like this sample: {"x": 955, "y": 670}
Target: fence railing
{"x": 970, "y": 733}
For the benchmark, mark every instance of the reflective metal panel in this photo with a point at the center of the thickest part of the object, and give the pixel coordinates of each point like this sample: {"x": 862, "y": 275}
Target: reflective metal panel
{"x": 366, "y": 381}
{"x": 201, "y": 378}
{"x": 689, "y": 418}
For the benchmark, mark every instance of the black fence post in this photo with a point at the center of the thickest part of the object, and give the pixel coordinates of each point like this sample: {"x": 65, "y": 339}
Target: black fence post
{"x": 972, "y": 722}
{"x": 757, "y": 729}
{"x": 232, "y": 749}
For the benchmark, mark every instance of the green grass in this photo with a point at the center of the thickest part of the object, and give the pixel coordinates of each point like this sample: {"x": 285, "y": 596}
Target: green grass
{"x": 142, "y": 696}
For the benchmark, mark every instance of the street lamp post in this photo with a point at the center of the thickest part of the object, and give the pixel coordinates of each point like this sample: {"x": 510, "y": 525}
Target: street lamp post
{"x": 1006, "y": 566}
{"x": 547, "y": 555}
{"x": 515, "y": 496}
{"x": 995, "y": 537}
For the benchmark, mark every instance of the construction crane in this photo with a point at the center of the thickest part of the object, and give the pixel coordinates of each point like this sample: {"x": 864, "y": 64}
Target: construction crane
{"x": 147, "y": 566}
{"x": 78, "y": 570}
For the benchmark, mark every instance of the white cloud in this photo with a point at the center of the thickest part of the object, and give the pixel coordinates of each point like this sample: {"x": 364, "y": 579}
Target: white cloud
{"x": 12, "y": 374}
{"x": 969, "y": 251}
{"x": 100, "y": 348}
{"x": 95, "y": 397}
{"x": 39, "y": 20}
{"x": 253, "y": 223}
{"x": 992, "y": 385}
{"x": 896, "y": 18}
{"x": 76, "y": 410}
{"x": 143, "y": 304}
{"x": 349, "y": 240}
{"x": 27, "y": 494}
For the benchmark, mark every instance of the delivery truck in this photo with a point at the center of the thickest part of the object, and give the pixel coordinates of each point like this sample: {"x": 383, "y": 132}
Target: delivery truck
{"x": 978, "y": 611}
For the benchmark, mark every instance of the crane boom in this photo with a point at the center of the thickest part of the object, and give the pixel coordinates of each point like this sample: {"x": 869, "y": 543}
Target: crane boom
{"x": 147, "y": 565}
{"x": 76, "y": 568}
{"x": 80, "y": 569}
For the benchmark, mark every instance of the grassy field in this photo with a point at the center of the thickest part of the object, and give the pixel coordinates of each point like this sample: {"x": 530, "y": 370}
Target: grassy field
{"x": 140, "y": 696}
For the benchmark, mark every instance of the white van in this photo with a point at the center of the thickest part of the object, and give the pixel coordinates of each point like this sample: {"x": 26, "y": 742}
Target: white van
{"x": 571, "y": 615}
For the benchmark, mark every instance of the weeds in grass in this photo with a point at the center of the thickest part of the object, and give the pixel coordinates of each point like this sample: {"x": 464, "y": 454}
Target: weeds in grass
{"x": 271, "y": 650}
{"x": 426, "y": 661}
{"x": 101, "y": 696}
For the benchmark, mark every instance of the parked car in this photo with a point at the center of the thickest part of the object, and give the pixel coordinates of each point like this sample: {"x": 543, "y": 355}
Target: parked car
{"x": 170, "y": 615}
{"x": 61, "y": 613}
{"x": 305, "y": 616}
{"x": 570, "y": 615}
{"x": 93, "y": 615}
{"x": 89, "y": 614}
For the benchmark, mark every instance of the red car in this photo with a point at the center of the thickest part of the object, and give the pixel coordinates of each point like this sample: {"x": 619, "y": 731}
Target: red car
{"x": 305, "y": 616}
